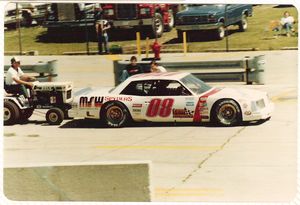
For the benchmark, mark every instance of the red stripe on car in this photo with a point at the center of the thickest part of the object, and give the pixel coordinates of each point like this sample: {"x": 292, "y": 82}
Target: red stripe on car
{"x": 202, "y": 103}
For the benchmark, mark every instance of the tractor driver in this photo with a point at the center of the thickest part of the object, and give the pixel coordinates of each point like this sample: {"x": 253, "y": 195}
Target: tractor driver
{"x": 16, "y": 81}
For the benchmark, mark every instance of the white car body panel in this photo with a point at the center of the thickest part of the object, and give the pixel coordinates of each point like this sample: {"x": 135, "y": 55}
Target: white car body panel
{"x": 192, "y": 108}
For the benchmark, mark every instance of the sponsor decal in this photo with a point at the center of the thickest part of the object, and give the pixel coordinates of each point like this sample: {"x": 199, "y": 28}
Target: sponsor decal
{"x": 91, "y": 101}
{"x": 200, "y": 112}
{"x": 137, "y": 105}
{"x": 190, "y": 104}
{"x": 126, "y": 99}
{"x": 137, "y": 110}
{"x": 248, "y": 113}
{"x": 182, "y": 113}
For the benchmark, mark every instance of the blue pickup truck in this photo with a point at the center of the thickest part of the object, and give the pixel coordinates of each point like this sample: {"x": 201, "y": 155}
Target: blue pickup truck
{"x": 213, "y": 17}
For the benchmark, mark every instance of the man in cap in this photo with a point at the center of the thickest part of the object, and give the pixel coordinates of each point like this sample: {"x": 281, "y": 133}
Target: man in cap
{"x": 16, "y": 81}
{"x": 101, "y": 29}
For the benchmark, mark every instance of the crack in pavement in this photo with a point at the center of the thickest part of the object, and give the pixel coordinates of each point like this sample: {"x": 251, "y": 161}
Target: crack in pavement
{"x": 210, "y": 155}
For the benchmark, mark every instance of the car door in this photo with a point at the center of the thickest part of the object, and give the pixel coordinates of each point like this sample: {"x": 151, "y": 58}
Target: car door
{"x": 169, "y": 101}
{"x": 138, "y": 90}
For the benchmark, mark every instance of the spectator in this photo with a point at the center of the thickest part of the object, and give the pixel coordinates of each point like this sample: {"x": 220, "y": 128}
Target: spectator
{"x": 155, "y": 68}
{"x": 287, "y": 22}
{"x": 131, "y": 69}
{"x": 101, "y": 29}
{"x": 16, "y": 81}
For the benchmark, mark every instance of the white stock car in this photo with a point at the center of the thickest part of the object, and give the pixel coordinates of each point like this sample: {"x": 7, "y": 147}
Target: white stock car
{"x": 170, "y": 97}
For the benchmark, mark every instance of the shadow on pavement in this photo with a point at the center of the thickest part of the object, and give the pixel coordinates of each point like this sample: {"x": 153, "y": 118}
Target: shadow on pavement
{"x": 88, "y": 123}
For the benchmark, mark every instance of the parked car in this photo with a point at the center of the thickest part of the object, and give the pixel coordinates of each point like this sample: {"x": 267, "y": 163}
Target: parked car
{"x": 28, "y": 14}
{"x": 213, "y": 17}
{"x": 64, "y": 16}
{"x": 170, "y": 97}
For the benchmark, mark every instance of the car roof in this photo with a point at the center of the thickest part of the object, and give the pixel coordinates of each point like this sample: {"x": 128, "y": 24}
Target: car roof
{"x": 159, "y": 76}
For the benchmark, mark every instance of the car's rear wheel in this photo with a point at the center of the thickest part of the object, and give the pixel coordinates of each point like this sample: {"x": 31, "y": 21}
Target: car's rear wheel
{"x": 157, "y": 26}
{"x": 227, "y": 113}
{"x": 115, "y": 114}
{"x": 171, "y": 23}
{"x": 11, "y": 113}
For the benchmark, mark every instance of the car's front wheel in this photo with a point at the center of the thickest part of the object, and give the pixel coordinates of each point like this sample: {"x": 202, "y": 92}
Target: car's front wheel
{"x": 115, "y": 114}
{"x": 227, "y": 113}
{"x": 243, "y": 24}
{"x": 220, "y": 32}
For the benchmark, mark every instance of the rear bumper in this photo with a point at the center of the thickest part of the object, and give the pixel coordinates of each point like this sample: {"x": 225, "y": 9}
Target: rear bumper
{"x": 132, "y": 23}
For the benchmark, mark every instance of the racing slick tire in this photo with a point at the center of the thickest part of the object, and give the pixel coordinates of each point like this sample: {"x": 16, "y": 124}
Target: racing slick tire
{"x": 171, "y": 23}
{"x": 227, "y": 113}
{"x": 11, "y": 113}
{"x": 54, "y": 116}
{"x": 243, "y": 24}
{"x": 115, "y": 114}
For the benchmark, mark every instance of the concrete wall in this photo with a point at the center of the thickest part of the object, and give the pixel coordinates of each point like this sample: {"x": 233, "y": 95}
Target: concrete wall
{"x": 102, "y": 182}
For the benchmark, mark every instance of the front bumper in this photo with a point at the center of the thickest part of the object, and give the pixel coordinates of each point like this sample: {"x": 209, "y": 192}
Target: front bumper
{"x": 261, "y": 114}
{"x": 132, "y": 23}
{"x": 198, "y": 27}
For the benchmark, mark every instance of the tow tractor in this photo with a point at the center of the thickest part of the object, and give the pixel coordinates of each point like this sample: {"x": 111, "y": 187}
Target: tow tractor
{"x": 54, "y": 96}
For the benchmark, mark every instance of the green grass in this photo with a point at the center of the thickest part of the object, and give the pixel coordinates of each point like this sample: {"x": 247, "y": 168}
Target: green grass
{"x": 257, "y": 36}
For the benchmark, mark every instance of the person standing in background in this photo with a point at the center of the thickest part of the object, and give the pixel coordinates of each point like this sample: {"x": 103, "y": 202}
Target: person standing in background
{"x": 101, "y": 29}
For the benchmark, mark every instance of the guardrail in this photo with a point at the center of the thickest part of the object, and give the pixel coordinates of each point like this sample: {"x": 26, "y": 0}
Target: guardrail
{"x": 249, "y": 69}
{"x": 47, "y": 71}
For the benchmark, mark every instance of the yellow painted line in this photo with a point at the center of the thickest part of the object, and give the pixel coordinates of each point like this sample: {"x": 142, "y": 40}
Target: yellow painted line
{"x": 161, "y": 147}
{"x": 113, "y": 57}
{"x": 282, "y": 95}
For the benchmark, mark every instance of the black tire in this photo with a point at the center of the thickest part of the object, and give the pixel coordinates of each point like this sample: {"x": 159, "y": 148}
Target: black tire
{"x": 26, "y": 114}
{"x": 157, "y": 26}
{"x": 243, "y": 24}
{"x": 220, "y": 32}
{"x": 11, "y": 113}
{"x": 115, "y": 114}
{"x": 55, "y": 116}
{"x": 227, "y": 113}
{"x": 171, "y": 23}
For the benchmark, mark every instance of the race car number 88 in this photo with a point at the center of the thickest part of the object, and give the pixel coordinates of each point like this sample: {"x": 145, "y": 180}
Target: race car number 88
{"x": 160, "y": 107}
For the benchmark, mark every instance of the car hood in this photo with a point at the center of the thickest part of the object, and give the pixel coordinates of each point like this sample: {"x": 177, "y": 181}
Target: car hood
{"x": 92, "y": 91}
{"x": 198, "y": 10}
{"x": 240, "y": 93}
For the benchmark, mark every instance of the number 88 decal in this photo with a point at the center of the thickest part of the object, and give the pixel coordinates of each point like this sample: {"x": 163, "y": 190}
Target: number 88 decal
{"x": 160, "y": 107}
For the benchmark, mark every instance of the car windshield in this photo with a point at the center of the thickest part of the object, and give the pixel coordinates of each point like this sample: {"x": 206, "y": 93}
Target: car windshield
{"x": 195, "y": 84}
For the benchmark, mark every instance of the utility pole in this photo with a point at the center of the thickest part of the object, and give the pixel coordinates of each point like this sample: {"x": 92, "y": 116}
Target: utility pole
{"x": 226, "y": 29}
{"x": 86, "y": 35}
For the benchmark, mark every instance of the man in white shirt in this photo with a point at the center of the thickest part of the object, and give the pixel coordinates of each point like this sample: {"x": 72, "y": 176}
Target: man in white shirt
{"x": 16, "y": 81}
{"x": 155, "y": 68}
{"x": 287, "y": 22}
